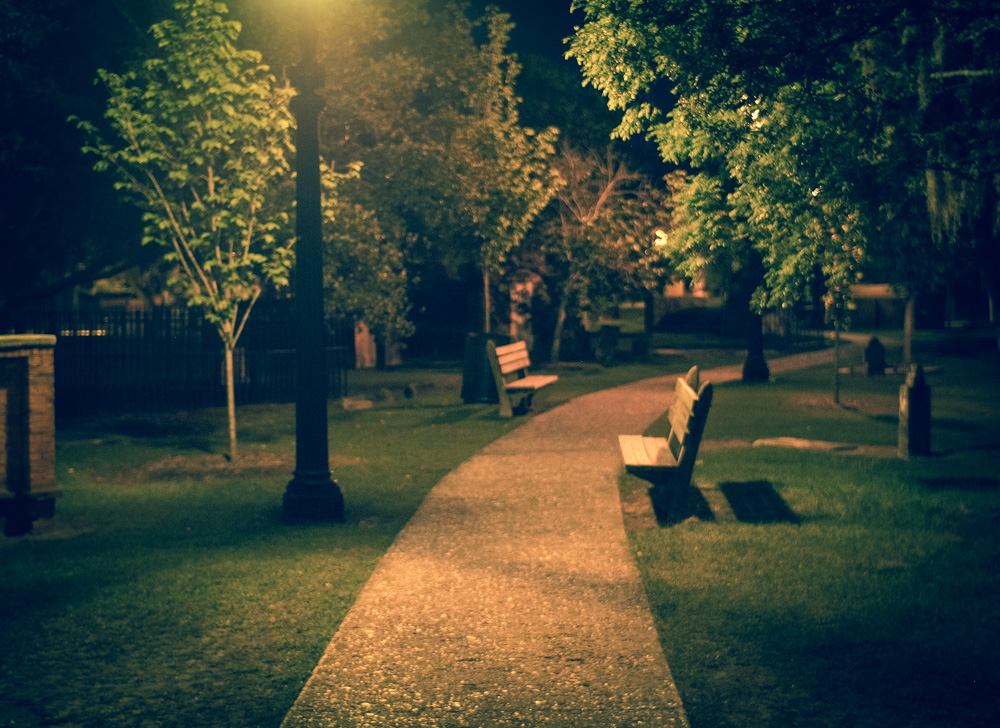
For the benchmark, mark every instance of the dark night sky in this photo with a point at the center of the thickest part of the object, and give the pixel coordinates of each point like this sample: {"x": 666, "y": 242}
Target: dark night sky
{"x": 541, "y": 25}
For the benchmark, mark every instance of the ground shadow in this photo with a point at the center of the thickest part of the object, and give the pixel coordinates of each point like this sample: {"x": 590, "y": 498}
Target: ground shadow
{"x": 757, "y": 501}
{"x": 970, "y": 484}
{"x": 673, "y": 507}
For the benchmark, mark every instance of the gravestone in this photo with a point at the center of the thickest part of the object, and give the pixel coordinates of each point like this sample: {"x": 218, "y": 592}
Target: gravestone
{"x": 914, "y": 414}
{"x": 875, "y": 357}
{"x": 27, "y": 431}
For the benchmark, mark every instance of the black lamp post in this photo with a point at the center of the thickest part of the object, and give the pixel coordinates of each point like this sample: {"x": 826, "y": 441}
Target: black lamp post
{"x": 312, "y": 494}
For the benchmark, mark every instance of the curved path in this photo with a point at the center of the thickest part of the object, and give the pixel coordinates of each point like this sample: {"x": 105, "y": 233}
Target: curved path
{"x": 511, "y": 598}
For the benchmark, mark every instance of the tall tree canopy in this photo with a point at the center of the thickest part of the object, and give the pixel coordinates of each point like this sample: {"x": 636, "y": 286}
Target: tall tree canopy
{"x": 822, "y": 123}
{"x": 426, "y": 99}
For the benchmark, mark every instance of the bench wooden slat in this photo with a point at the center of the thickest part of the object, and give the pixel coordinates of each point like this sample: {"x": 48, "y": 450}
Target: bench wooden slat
{"x": 684, "y": 395}
{"x": 532, "y": 381}
{"x": 680, "y": 421}
{"x": 645, "y": 452}
{"x": 513, "y": 361}
{"x": 633, "y": 452}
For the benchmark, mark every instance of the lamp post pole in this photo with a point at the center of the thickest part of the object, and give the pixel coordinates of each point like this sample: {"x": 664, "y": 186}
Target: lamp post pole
{"x": 312, "y": 494}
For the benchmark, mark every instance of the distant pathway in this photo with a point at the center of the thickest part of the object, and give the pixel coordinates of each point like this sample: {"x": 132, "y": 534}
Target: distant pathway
{"x": 511, "y": 597}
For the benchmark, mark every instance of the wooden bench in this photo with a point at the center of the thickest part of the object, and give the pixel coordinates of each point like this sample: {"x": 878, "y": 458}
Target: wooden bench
{"x": 510, "y": 370}
{"x": 668, "y": 462}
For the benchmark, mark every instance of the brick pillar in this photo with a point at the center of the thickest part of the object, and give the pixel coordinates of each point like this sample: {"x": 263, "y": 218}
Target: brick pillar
{"x": 27, "y": 431}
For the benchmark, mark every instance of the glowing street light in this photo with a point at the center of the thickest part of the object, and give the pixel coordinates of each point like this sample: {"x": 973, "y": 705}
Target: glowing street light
{"x": 312, "y": 494}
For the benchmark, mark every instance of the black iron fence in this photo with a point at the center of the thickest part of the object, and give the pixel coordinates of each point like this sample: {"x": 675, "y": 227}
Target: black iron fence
{"x": 169, "y": 357}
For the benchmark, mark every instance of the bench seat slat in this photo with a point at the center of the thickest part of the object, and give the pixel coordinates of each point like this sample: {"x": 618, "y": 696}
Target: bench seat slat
{"x": 531, "y": 382}
{"x": 646, "y": 452}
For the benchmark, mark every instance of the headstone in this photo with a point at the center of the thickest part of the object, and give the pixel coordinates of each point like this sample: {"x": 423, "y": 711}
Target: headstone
{"x": 875, "y": 357}
{"x": 914, "y": 414}
{"x": 365, "y": 351}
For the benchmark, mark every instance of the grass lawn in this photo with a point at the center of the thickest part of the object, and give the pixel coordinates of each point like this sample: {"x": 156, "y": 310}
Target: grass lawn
{"x": 168, "y": 593}
{"x": 879, "y": 605}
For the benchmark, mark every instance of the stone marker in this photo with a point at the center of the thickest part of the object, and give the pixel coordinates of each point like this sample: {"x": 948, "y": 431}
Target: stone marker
{"x": 914, "y": 414}
{"x": 875, "y": 357}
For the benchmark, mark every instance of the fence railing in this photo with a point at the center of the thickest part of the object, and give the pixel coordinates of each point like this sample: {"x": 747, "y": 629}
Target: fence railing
{"x": 169, "y": 357}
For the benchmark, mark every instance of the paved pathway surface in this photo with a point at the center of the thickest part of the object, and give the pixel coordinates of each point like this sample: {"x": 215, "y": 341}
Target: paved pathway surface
{"x": 511, "y": 598}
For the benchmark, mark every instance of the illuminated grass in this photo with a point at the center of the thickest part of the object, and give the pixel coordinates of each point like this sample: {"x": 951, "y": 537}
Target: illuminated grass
{"x": 170, "y": 594}
{"x": 876, "y": 609}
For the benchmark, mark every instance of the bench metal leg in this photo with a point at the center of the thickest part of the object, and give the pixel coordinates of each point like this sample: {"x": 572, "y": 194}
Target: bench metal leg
{"x": 524, "y": 404}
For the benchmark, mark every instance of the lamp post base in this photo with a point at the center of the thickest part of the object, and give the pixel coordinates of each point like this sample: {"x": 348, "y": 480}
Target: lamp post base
{"x": 312, "y": 497}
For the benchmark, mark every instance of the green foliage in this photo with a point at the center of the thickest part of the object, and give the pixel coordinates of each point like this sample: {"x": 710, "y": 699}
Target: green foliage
{"x": 426, "y": 98}
{"x": 824, "y": 126}
{"x": 198, "y": 138}
{"x": 365, "y": 276}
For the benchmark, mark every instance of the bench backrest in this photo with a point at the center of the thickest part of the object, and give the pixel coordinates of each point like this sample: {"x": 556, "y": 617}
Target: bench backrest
{"x": 513, "y": 360}
{"x": 687, "y": 416}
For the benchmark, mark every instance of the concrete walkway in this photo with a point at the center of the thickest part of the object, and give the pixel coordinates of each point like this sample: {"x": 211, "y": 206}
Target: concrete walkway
{"x": 511, "y": 598}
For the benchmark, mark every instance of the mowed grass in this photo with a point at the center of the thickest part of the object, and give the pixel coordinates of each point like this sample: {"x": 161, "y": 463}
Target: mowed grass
{"x": 878, "y": 607}
{"x": 169, "y": 593}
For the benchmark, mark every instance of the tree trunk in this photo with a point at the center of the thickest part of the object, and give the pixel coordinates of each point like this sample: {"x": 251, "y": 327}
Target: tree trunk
{"x": 231, "y": 401}
{"x": 909, "y": 318}
{"x": 487, "y": 303}
{"x": 648, "y": 312}
{"x": 557, "y": 334}
{"x": 836, "y": 357}
{"x": 755, "y": 367}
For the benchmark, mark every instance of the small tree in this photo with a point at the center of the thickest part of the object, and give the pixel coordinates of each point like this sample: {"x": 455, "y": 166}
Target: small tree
{"x": 498, "y": 175}
{"x": 600, "y": 240}
{"x": 198, "y": 138}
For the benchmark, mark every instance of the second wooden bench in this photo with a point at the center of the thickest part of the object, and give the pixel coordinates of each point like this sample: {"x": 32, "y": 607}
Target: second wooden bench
{"x": 510, "y": 370}
{"x": 668, "y": 462}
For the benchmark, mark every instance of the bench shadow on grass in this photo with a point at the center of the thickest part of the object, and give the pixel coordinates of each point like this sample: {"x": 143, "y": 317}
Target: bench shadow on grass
{"x": 750, "y": 502}
{"x": 757, "y": 501}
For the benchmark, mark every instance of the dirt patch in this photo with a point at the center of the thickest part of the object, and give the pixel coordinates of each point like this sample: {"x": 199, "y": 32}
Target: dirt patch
{"x": 726, "y": 444}
{"x": 203, "y": 466}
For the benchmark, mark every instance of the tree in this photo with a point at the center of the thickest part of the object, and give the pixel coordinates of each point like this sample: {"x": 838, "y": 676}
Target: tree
{"x": 597, "y": 242}
{"x": 427, "y": 100}
{"x": 198, "y": 139}
{"x": 790, "y": 106}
